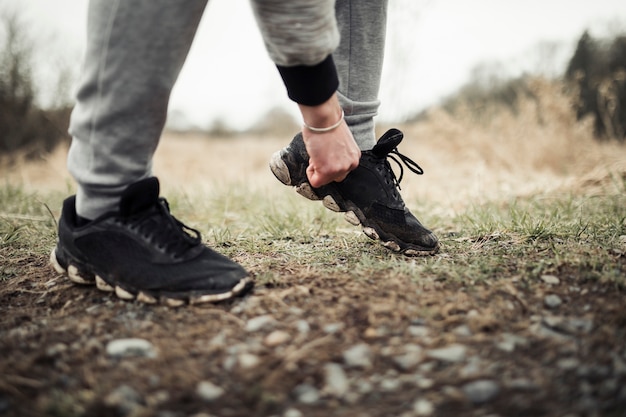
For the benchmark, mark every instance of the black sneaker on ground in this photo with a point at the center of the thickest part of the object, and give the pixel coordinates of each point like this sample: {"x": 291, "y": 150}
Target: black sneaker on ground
{"x": 144, "y": 253}
{"x": 369, "y": 195}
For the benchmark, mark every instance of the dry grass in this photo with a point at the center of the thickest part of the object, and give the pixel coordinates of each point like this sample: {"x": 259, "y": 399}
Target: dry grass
{"x": 466, "y": 161}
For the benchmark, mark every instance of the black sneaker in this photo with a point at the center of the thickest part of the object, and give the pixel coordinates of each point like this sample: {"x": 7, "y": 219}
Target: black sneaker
{"x": 144, "y": 253}
{"x": 369, "y": 195}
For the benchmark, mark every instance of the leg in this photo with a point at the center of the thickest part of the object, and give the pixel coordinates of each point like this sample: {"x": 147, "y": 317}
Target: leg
{"x": 359, "y": 61}
{"x": 370, "y": 194}
{"x": 135, "y": 50}
{"x": 132, "y": 245}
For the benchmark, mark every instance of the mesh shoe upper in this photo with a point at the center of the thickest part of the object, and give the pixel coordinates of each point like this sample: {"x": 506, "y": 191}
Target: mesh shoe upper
{"x": 370, "y": 192}
{"x": 144, "y": 248}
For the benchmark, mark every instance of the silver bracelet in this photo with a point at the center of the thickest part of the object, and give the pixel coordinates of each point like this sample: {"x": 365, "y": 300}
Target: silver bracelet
{"x": 325, "y": 129}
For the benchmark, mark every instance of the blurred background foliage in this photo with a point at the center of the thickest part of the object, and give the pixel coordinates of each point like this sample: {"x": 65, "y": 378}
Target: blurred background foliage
{"x": 595, "y": 81}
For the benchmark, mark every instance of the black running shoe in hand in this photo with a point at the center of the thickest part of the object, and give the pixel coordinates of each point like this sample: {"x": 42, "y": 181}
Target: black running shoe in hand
{"x": 369, "y": 195}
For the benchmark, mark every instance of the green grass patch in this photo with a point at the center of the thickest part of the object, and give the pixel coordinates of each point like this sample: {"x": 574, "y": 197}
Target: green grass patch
{"x": 277, "y": 236}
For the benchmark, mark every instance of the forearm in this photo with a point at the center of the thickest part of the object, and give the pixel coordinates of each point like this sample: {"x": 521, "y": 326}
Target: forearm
{"x": 300, "y": 36}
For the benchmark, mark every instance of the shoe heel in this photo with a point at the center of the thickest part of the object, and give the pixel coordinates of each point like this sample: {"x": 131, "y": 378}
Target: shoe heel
{"x": 279, "y": 168}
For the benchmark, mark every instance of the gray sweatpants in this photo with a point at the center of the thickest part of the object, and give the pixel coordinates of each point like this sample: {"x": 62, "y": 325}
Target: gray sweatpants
{"x": 135, "y": 51}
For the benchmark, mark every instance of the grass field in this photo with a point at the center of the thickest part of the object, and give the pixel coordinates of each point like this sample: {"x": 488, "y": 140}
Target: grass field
{"x": 520, "y": 314}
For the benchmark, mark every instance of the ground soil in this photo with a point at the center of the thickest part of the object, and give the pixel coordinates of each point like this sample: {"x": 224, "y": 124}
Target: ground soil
{"x": 524, "y": 355}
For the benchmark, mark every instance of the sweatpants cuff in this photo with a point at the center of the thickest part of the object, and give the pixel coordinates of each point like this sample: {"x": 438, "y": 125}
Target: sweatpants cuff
{"x": 310, "y": 85}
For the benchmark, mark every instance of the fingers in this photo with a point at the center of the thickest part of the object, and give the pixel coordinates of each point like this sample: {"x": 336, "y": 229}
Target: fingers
{"x": 319, "y": 176}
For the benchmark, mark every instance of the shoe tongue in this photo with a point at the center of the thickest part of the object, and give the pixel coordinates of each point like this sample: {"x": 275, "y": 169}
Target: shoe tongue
{"x": 387, "y": 143}
{"x": 139, "y": 196}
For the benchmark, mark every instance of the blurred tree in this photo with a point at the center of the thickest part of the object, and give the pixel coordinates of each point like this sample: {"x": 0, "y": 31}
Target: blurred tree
{"x": 597, "y": 70}
{"x": 23, "y": 126}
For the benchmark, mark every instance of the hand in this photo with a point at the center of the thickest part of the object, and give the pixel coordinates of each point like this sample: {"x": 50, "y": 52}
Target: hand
{"x": 332, "y": 154}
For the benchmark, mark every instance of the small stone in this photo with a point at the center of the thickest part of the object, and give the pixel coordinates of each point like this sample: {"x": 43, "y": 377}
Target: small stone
{"x": 336, "y": 380}
{"x": 481, "y": 391}
{"x": 248, "y": 360}
{"x": 257, "y": 323}
{"x": 568, "y": 364}
{"x": 523, "y": 384}
{"x": 423, "y": 407}
{"x": 56, "y": 350}
{"x": 390, "y": 384}
{"x": 125, "y": 399}
{"x": 307, "y": 394}
{"x": 303, "y": 326}
{"x": 131, "y": 347}
{"x": 370, "y": 333}
{"x": 358, "y": 356}
{"x": 411, "y": 358}
{"x": 473, "y": 368}
{"x": 292, "y": 412}
{"x": 463, "y": 330}
{"x": 452, "y": 353}
{"x": 332, "y": 328}
{"x": 418, "y": 331}
{"x": 363, "y": 386}
{"x": 552, "y": 301}
{"x": 510, "y": 341}
{"x": 208, "y": 391}
{"x": 550, "y": 279}
{"x": 277, "y": 337}
{"x": 424, "y": 383}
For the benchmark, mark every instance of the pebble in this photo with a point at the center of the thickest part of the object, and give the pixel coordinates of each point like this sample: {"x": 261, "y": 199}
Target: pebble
{"x": 411, "y": 358}
{"x": 552, "y": 301}
{"x": 568, "y": 364}
{"x": 358, "y": 356}
{"x": 208, "y": 391}
{"x": 550, "y": 279}
{"x": 292, "y": 412}
{"x": 481, "y": 391}
{"x": 473, "y": 368}
{"x": 510, "y": 341}
{"x": 56, "y": 350}
{"x": 423, "y": 408}
{"x": 336, "y": 380}
{"x": 418, "y": 331}
{"x": 131, "y": 347}
{"x": 363, "y": 386}
{"x": 277, "y": 337}
{"x": 257, "y": 323}
{"x": 452, "y": 353}
{"x": 390, "y": 384}
{"x": 303, "y": 326}
{"x": 248, "y": 360}
{"x": 523, "y": 384}
{"x": 463, "y": 330}
{"x": 332, "y": 328}
{"x": 567, "y": 325}
{"x": 124, "y": 398}
{"x": 306, "y": 394}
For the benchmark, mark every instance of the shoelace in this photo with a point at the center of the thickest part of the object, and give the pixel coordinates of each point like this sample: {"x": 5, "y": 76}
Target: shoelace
{"x": 410, "y": 164}
{"x": 176, "y": 237}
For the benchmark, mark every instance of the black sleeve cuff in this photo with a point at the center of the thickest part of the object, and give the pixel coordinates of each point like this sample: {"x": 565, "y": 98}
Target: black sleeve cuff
{"x": 310, "y": 85}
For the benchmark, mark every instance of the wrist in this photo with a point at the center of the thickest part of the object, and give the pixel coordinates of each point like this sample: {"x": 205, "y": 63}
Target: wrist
{"x": 323, "y": 117}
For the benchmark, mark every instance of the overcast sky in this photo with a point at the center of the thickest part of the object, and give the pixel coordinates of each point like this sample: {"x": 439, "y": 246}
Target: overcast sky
{"x": 432, "y": 48}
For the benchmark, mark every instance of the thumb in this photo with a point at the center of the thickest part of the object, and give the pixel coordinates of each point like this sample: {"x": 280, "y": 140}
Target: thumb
{"x": 314, "y": 177}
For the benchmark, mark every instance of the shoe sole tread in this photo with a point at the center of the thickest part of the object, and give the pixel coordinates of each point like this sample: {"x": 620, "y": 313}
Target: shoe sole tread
{"x": 78, "y": 276}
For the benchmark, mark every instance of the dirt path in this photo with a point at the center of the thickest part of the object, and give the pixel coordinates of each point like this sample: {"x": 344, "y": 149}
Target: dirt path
{"x": 310, "y": 345}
